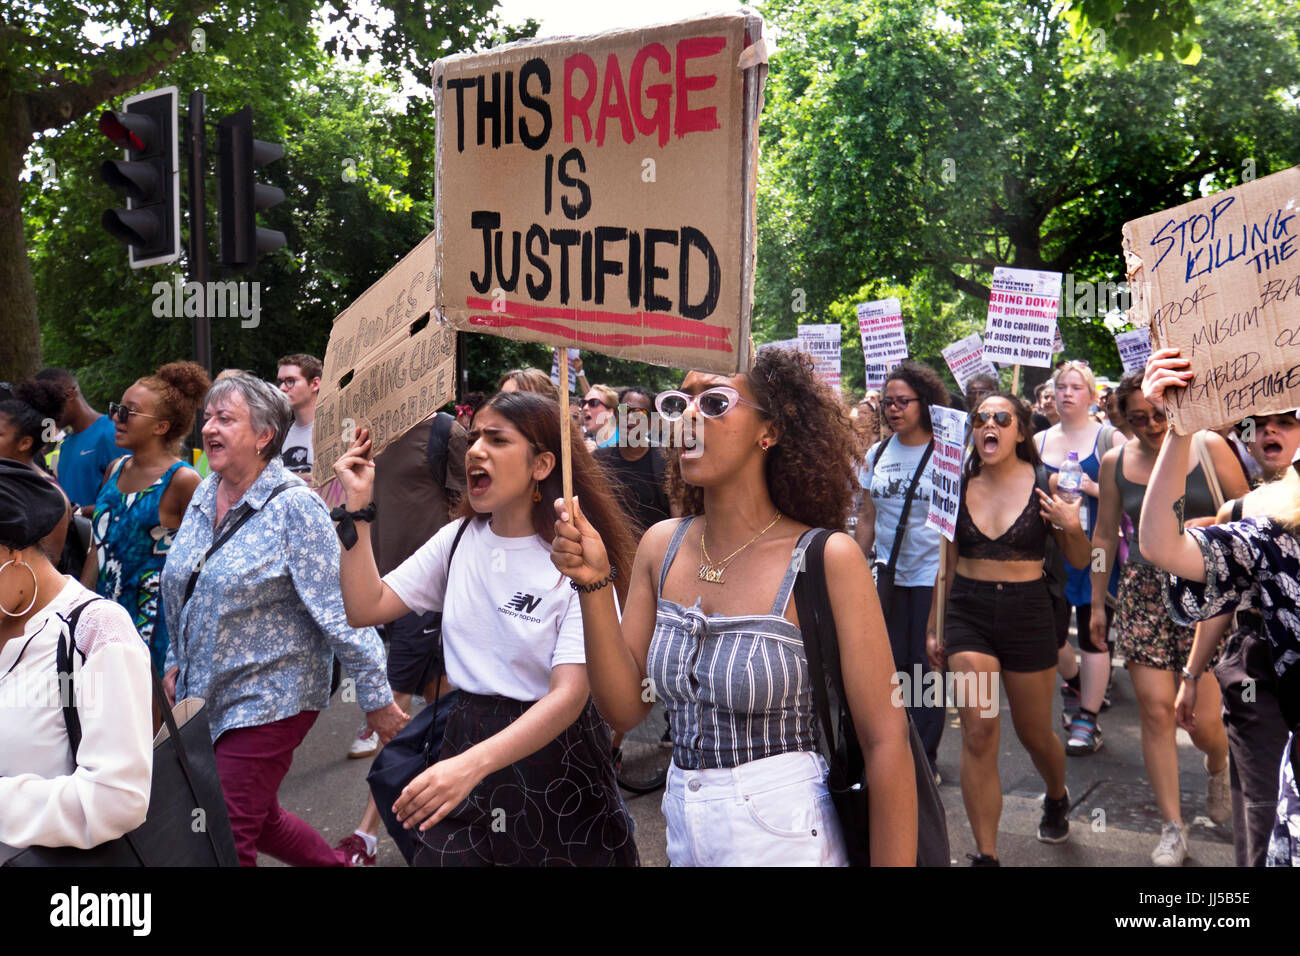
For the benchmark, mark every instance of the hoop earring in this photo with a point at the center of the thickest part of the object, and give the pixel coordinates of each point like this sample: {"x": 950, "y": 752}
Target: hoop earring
{"x": 35, "y": 587}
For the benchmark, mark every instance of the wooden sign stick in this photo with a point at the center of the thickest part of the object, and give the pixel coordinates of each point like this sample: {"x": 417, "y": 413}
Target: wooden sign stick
{"x": 1015, "y": 379}
{"x": 566, "y": 434}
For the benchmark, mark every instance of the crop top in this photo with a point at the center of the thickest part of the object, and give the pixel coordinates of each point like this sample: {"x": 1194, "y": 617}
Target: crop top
{"x": 1025, "y": 540}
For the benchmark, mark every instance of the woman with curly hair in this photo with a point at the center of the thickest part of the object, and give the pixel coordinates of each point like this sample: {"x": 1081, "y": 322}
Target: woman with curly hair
{"x": 896, "y": 479}
{"x": 716, "y": 635}
{"x": 24, "y": 419}
{"x": 144, "y": 495}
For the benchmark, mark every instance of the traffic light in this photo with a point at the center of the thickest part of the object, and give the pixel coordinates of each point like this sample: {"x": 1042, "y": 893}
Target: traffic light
{"x": 149, "y": 176}
{"x": 238, "y": 156}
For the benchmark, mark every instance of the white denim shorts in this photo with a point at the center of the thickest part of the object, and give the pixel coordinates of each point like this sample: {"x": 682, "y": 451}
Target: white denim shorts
{"x": 770, "y": 812}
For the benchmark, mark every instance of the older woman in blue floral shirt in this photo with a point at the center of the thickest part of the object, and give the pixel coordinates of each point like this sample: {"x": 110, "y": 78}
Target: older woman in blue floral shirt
{"x": 255, "y": 624}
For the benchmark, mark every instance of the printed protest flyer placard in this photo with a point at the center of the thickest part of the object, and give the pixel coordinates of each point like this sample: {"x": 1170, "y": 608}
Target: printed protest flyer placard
{"x": 880, "y": 324}
{"x": 1134, "y": 348}
{"x": 945, "y": 469}
{"x": 389, "y": 365}
{"x": 599, "y": 191}
{"x": 1219, "y": 278}
{"x": 1023, "y": 305}
{"x": 573, "y": 371}
{"x": 966, "y": 359}
{"x": 823, "y": 342}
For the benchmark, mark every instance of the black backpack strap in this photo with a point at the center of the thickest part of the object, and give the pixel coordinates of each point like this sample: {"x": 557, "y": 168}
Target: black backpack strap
{"x": 907, "y": 505}
{"x": 67, "y": 647}
{"x": 429, "y": 756}
{"x": 436, "y": 448}
{"x": 880, "y": 450}
{"x": 1238, "y": 509}
{"x": 821, "y": 645}
{"x": 226, "y": 536}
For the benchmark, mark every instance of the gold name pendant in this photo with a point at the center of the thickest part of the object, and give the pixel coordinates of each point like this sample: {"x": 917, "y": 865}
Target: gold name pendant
{"x": 711, "y": 574}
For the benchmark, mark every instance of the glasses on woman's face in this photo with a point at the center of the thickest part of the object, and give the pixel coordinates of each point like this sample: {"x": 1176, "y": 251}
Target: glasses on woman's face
{"x": 900, "y": 403}
{"x": 121, "y": 414}
{"x": 594, "y": 403}
{"x": 1142, "y": 419}
{"x": 712, "y": 402}
{"x": 1003, "y": 419}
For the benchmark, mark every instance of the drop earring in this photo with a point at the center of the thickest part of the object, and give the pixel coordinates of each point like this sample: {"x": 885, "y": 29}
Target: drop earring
{"x": 537, "y": 492}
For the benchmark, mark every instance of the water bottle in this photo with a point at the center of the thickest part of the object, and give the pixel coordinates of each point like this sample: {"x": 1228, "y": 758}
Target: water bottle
{"x": 1068, "y": 483}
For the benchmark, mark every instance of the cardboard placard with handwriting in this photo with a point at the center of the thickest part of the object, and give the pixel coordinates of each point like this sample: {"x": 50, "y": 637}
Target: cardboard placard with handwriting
{"x": 1219, "y": 278}
{"x": 389, "y": 365}
{"x": 599, "y": 191}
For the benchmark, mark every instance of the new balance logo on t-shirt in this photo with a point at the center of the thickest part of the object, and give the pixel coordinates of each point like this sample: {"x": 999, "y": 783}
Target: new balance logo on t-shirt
{"x": 524, "y": 602}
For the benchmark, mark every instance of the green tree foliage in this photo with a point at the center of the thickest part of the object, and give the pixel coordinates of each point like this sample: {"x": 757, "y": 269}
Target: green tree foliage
{"x": 927, "y": 141}
{"x": 60, "y": 62}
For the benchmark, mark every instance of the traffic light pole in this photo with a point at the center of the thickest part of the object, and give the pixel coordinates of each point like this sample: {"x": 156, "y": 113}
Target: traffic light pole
{"x": 197, "y": 156}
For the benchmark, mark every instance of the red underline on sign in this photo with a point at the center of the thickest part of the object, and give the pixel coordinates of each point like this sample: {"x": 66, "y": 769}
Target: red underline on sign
{"x": 648, "y": 320}
{"x": 617, "y": 339}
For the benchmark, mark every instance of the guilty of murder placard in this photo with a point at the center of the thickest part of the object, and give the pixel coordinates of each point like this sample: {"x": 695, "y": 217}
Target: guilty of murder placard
{"x": 598, "y": 192}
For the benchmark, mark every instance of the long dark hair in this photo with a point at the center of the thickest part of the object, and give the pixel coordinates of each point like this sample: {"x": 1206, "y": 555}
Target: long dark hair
{"x": 1026, "y": 450}
{"x": 538, "y": 420}
{"x": 811, "y": 471}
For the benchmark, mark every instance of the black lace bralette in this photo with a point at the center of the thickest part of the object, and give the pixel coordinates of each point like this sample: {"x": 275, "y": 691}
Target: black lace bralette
{"x": 1025, "y": 540}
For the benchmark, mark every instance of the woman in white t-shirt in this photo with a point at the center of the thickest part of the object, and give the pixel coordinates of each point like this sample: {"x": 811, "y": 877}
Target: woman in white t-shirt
{"x": 886, "y": 476}
{"x": 49, "y": 796}
{"x": 525, "y": 775}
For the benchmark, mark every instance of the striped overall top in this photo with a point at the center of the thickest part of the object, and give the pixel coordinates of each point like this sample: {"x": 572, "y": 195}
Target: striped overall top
{"x": 736, "y": 687}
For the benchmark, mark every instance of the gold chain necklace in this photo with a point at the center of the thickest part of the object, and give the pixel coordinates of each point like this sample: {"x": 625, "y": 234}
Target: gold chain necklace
{"x": 713, "y": 573}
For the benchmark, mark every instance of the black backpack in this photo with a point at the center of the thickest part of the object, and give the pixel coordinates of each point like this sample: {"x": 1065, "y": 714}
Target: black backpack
{"x": 439, "y": 435}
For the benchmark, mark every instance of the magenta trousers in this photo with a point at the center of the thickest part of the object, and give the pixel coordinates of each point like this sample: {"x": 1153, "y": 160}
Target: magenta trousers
{"x": 251, "y": 762}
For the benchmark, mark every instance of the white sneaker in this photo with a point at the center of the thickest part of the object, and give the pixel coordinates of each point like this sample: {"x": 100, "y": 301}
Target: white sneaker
{"x": 366, "y": 744}
{"x": 1172, "y": 848}
{"x": 1218, "y": 795}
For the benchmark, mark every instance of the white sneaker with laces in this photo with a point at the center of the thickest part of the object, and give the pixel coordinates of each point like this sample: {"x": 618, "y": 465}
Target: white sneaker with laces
{"x": 366, "y": 743}
{"x": 1172, "y": 848}
{"x": 1218, "y": 795}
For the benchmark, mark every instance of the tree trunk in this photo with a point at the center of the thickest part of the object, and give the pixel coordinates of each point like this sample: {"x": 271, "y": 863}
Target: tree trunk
{"x": 20, "y": 332}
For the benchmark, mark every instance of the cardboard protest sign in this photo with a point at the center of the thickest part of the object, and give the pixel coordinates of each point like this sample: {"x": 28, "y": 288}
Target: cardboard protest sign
{"x": 823, "y": 343}
{"x": 1219, "y": 278}
{"x": 966, "y": 359}
{"x": 1134, "y": 348}
{"x": 1023, "y": 305}
{"x": 573, "y": 371}
{"x": 880, "y": 325}
{"x": 599, "y": 191}
{"x": 389, "y": 365}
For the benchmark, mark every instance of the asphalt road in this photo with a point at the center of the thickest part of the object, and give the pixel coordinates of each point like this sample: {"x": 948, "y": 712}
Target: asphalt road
{"x": 1113, "y": 817}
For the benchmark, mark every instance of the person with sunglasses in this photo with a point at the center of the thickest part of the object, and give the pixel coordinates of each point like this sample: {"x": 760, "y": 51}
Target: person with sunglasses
{"x": 636, "y": 465}
{"x": 1253, "y": 563}
{"x": 598, "y": 420}
{"x": 715, "y": 636}
{"x": 999, "y": 626}
{"x": 1153, "y": 646}
{"x": 144, "y": 496}
{"x": 896, "y": 477}
{"x": 1247, "y": 683}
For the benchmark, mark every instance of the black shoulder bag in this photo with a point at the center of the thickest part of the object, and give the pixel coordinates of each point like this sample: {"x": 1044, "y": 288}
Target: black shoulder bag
{"x": 415, "y": 748}
{"x": 885, "y": 572}
{"x": 846, "y": 776}
{"x": 187, "y": 824}
{"x": 1054, "y": 565}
